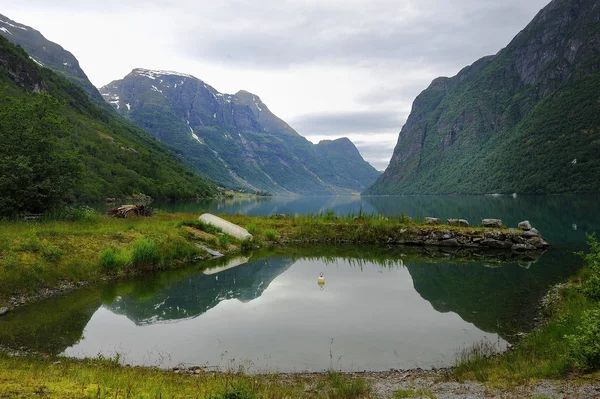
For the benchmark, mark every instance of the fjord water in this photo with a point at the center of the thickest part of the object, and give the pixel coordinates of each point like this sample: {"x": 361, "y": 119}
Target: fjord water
{"x": 379, "y": 308}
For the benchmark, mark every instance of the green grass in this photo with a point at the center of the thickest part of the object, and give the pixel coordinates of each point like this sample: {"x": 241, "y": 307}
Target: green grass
{"x": 25, "y": 377}
{"x": 567, "y": 343}
{"x": 50, "y": 252}
{"x": 47, "y": 253}
{"x": 329, "y": 228}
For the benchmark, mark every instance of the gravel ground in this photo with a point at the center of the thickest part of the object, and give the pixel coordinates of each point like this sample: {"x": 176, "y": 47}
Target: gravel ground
{"x": 431, "y": 384}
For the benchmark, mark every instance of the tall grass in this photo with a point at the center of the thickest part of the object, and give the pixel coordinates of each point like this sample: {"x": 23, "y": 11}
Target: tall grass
{"x": 568, "y": 342}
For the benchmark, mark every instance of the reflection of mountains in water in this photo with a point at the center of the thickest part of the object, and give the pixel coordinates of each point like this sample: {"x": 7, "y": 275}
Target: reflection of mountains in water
{"x": 503, "y": 300}
{"x": 200, "y": 292}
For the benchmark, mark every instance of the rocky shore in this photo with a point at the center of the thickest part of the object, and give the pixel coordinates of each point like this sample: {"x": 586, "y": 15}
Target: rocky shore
{"x": 492, "y": 235}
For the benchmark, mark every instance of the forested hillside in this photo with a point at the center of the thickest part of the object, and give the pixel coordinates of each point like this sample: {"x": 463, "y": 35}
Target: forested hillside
{"x": 58, "y": 147}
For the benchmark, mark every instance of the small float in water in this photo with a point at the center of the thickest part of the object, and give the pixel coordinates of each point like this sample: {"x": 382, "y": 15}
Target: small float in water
{"x": 321, "y": 281}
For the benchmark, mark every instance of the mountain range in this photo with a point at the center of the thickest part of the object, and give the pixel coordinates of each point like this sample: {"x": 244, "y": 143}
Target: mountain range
{"x": 234, "y": 138}
{"x": 525, "y": 120}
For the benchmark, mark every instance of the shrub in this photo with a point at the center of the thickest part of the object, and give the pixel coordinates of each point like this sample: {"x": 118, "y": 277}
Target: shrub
{"x": 253, "y": 229}
{"x": 271, "y": 235}
{"x": 32, "y": 244}
{"x": 224, "y": 241}
{"x": 247, "y": 245}
{"x": 591, "y": 285}
{"x": 144, "y": 252}
{"x": 112, "y": 258}
{"x": 585, "y": 344}
{"x": 51, "y": 252}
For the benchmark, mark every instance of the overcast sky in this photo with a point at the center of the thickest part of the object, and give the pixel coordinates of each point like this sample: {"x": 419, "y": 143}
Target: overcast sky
{"x": 330, "y": 68}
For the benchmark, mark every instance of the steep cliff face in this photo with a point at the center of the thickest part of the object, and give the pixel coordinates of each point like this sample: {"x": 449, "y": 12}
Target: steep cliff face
{"x": 233, "y": 139}
{"x": 48, "y": 54}
{"x": 525, "y": 120}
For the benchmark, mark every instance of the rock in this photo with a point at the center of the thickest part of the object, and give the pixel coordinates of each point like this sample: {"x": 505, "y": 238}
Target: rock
{"x": 3, "y": 311}
{"x": 537, "y": 242}
{"x": 227, "y": 227}
{"x": 522, "y": 247}
{"x": 457, "y": 222}
{"x": 432, "y": 221}
{"x": 491, "y": 243}
{"x": 531, "y": 233}
{"x": 279, "y": 216}
{"x": 525, "y": 225}
{"x": 491, "y": 223}
{"x": 453, "y": 242}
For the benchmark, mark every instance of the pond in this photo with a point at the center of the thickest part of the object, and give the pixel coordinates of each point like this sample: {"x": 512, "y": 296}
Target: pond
{"x": 378, "y": 309}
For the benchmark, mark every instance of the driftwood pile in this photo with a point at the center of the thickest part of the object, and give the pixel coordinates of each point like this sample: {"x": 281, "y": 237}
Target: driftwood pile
{"x": 125, "y": 211}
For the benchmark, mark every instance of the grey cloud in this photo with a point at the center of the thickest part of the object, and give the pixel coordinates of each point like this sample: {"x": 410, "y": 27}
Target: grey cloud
{"x": 447, "y": 36}
{"x": 342, "y": 123}
{"x": 377, "y": 155}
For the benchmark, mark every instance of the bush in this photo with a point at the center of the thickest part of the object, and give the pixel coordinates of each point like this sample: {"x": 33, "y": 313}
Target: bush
{"x": 32, "y": 244}
{"x": 591, "y": 285}
{"x": 144, "y": 252}
{"x": 585, "y": 344}
{"x": 224, "y": 241}
{"x": 271, "y": 235}
{"x": 253, "y": 229}
{"x": 51, "y": 252}
{"x": 112, "y": 258}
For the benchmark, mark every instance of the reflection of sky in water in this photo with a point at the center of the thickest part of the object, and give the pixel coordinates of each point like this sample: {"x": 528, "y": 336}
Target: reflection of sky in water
{"x": 376, "y": 318}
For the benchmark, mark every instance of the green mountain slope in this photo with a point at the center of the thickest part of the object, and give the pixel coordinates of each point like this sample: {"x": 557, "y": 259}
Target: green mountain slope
{"x": 347, "y": 167}
{"x": 48, "y": 54}
{"x": 526, "y": 120}
{"x": 233, "y": 139}
{"x": 59, "y": 147}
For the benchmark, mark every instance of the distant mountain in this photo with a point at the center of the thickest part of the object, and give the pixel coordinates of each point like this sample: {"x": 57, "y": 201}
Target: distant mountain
{"x": 344, "y": 157}
{"x": 48, "y": 54}
{"x": 233, "y": 139}
{"x": 56, "y": 146}
{"x": 525, "y": 120}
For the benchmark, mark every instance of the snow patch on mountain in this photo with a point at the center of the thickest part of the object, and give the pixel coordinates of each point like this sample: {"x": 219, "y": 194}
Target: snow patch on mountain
{"x": 12, "y": 25}
{"x": 36, "y": 61}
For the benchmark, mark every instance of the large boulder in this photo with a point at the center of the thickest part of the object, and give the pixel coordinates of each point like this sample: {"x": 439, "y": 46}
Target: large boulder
{"x": 496, "y": 223}
{"x": 3, "y": 311}
{"x": 227, "y": 227}
{"x": 432, "y": 221}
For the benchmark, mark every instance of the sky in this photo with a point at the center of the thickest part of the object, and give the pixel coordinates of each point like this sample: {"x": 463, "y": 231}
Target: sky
{"x": 330, "y": 68}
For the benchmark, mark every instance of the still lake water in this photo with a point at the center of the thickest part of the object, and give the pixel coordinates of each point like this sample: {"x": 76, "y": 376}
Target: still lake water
{"x": 379, "y": 308}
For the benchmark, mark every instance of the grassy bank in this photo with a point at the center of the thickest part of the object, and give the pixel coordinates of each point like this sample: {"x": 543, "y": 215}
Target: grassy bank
{"x": 568, "y": 343}
{"x": 94, "y": 247}
{"x": 105, "y": 378}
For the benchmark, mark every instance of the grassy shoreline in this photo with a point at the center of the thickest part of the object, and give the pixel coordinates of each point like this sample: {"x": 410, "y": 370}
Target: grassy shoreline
{"x": 563, "y": 348}
{"x": 566, "y": 344}
{"x": 55, "y": 253}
